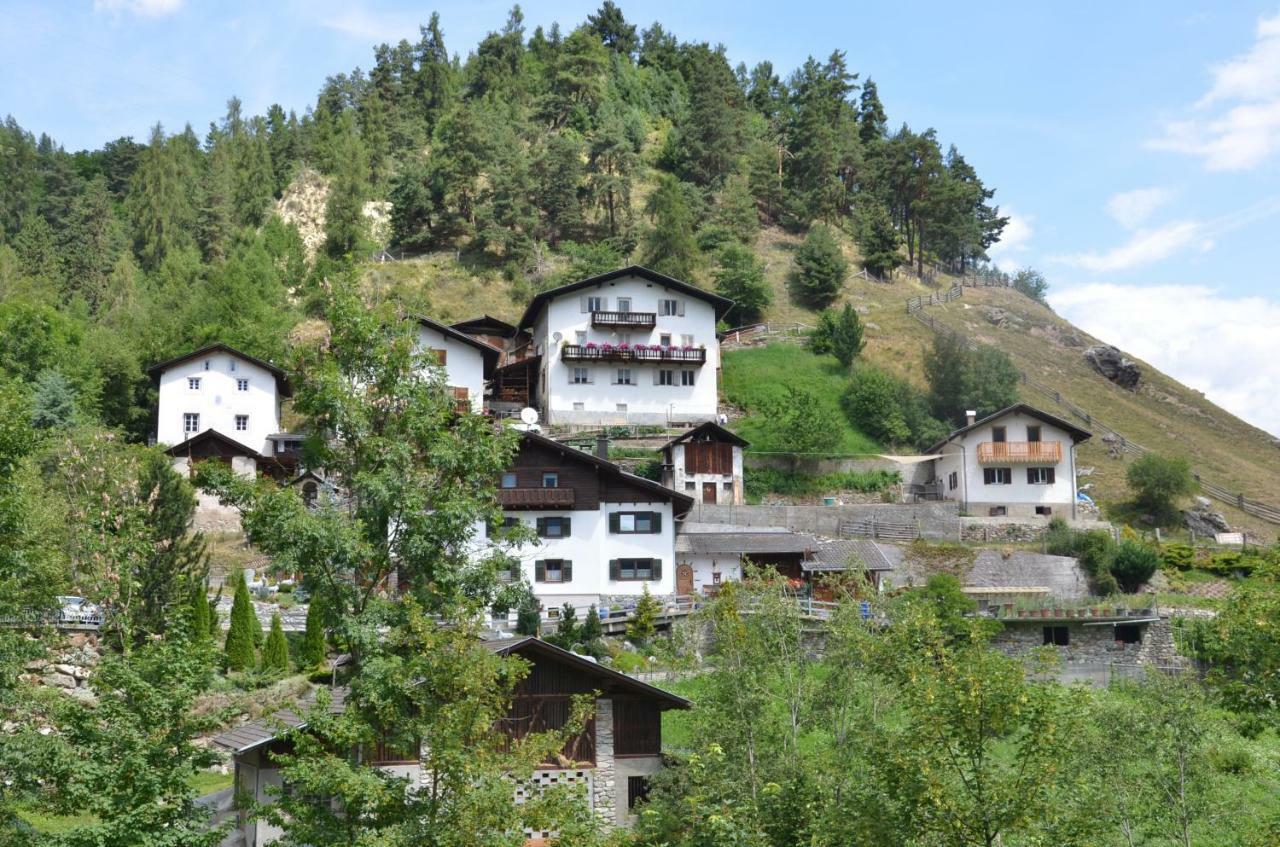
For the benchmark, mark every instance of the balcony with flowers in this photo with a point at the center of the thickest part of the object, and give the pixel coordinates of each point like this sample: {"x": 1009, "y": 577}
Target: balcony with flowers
{"x": 657, "y": 353}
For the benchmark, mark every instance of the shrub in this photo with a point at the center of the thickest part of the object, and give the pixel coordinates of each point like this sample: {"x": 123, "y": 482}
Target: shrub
{"x": 819, "y": 270}
{"x": 798, "y": 422}
{"x": 275, "y": 653}
{"x": 645, "y": 623}
{"x": 1158, "y": 482}
{"x": 1133, "y": 563}
{"x": 528, "y": 616}
{"x": 872, "y": 404}
{"x": 1178, "y": 555}
{"x": 1060, "y": 539}
{"x": 240, "y": 641}
{"x": 839, "y": 334}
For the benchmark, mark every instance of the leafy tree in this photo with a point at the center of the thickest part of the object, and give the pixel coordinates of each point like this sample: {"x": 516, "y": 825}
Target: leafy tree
{"x": 1031, "y": 283}
{"x": 669, "y": 247}
{"x": 53, "y": 401}
{"x": 961, "y": 379}
{"x": 643, "y": 625}
{"x": 820, "y": 269}
{"x": 992, "y": 380}
{"x": 839, "y": 334}
{"x": 872, "y": 404}
{"x": 740, "y": 277}
{"x": 275, "y": 653}
{"x": 878, "y": 241}
{"x": 797, "y": 421}
{"x": 239, "y": 649}
{"x": 313, "y": 640}
{"x": 1158, "y": 482}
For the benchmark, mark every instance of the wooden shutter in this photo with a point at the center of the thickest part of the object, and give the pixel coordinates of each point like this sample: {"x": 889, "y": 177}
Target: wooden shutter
{"x": 656, "y": 517}
{"x": 1050, "y": 479}
{"x": 584, "y": 303}
{"x": 566, "y": 527}
{"x": 657, "y": 377}
{"x": 540, "y": 571}
{"x": 680, "y": 308}
{"x": 615, "y": 569}
{"x": 1031, "y": 475}
{"x": 615, "y": 522}
{"x": 542, "y": 527}
{"x": 566, "y": 571}
{"x": 656, "y": 569}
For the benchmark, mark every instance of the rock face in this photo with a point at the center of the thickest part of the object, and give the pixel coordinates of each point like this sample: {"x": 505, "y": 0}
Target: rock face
{"x": 1202, "y": 520}
{"x": 1112, "y": 364}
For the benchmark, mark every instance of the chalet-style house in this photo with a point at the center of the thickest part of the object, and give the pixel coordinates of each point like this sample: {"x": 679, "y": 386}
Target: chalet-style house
{"x": 709, "y": 555}
{"x": 217, "y": 403}
{"x": 631, "y": 346}
{"x": 614, "y": 756}
{"x": 602, "y": 533}
{"x": 1020, "y": 462}
{"x": 468, "y": 361}
{"x": 706, "y": 463}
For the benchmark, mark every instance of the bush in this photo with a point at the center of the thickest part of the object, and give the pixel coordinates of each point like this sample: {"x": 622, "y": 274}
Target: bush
{"x": 1178, "y": 555}
{"x": 240, "y": 641}
{"x": 1158, "y": 482}
{"x": 1133, "y": 563}
{"x": 839, "y": 334}
{"x": 798, "y": 422}
{"x": 872, "y": 403}
{"x": 528, "y": 616}
{"x": 820, "y": 269}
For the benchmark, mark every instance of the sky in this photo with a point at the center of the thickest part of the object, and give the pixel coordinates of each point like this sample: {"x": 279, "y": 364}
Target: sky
{"x": 1135, "y": 145}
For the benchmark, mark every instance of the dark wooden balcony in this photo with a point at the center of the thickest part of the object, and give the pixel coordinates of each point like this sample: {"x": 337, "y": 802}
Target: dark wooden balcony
{"x": 633, "y": 353}
{"x": 536, "y": 498}
{"x": 637, "y": 320}
{"x": 1020, "y": 452}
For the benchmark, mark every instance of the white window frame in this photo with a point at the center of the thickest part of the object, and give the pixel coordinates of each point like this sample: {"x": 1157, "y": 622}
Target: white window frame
{"x": 193, "y": 383}
{"x": 596, "y": 303}
{"x": 619, "y": 377}
{"x": 623, "y": 308}
{"x": 668, "y": 308}
{"x": 242, "y": 419}
{"x": 190, "y": 423}
{"x": 686, "y": 340}
{"x": 1042, "y": 476}
{"x": 666, "y": 377}
{"x": 585, "y": 373}
{"x": 687, "y": 378}
{"x": 996, "y": 473}
{"x": 242, "y": 383}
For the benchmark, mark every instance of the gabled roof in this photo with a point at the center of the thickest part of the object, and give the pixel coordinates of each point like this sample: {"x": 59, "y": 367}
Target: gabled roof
{"x": 488, "y": 351}
{"x": 1077, "y": 434}
{"x": 613, "y": 680}
{"x": 712, "y": 432}
{"x": 720, "y": 304}
{"x": 212, "y": 435}
{"x": 264, "y": 730}
{"x": 283, "y": 388}
{"x": 487, "y": 325}
{"x": 680, "y": 503}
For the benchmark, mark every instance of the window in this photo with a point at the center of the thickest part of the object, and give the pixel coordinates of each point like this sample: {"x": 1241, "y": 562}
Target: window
{"x": 580, "y": 337}
{"x": 664, "y": 339}
{"x": 624, "y": 304}
{"x": 953, "y": 481}
{"x": 668, "y": 308}
{"x": 665, "y": 377}
{"x": 635, "y": 523}
{"x": 193, "y": 383}
{"x": 553, "y": 570}
{"x": 551, "y": 479}
{"x": 690, "y": 486}
{"x": 624, "y": 377}
{"x": 1128, "y": 633}
{"x": 595, "y": 304}
{"x": 635, "y": 569}
{"x": 441, "y": 356}
{"x": 1033, "y": 433}
{"x": 1058, "y": 636}
{"x": 997, "y": 434}
{"x": 581, "y": 376}
{"x": 1039, "y": 476}
{"x": 998, "y": 511}
{"x": 1044, "y": 511}
{"x": 579, "y": 407}
{"x": 206, "y": 364}
{"x": 637, "y": 790}
{"x": 242, "y": 385}
{"x": 686, "y": 340}
{"x": 508, "y": 480}
{"x": 232, "y": 363}
{"x": 190, "y": 423}
{"x": 384, "y": 753}
{"x": 242, "y": 423}
{"x": 686, "y": 377}
{"x": 727, "y": 486}
{"x": 553, "y": 527}
{"x": 997, "y": 476}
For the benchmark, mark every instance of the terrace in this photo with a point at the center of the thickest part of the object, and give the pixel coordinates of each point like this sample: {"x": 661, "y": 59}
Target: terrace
{"x": 1020, "y": 452}
{"x": 592, "y": 352}
{"x": 636, "y": 320}
{"x": 536, "y": 498}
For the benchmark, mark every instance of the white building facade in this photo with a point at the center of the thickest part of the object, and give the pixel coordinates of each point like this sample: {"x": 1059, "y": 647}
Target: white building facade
{"x": 467, "y": 361}
{"x": 1018, "y": 462}
{"x": 706, "y": 464}
{"x": 630, "y": 346}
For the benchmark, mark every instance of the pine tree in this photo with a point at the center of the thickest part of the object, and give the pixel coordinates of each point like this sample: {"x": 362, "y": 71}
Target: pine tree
{"x": 241, "y": 642}
{"x": 878, "y": 241}
{"x": 159, "y": 203}
{"x": 344, "y": 225}
{"x": 53, "y": 401}
{"x": 275, "y": 653}
{"x": 528, "y": 615}
{"x": 872, "y": 121}
{"x": 567, "y": 630}
{"x": 313, "y": 640}
{"x": 740, "y": 277}
{"x": 838, "y": 333}
{"x": 612, "y": 162}
{"x": 820, "y": 268}
{"x": 644, "y": 623}
{"x": 669, "y": 247}
{"x": 558, "y": 174}
{"x": 736, "y": 209}
{"x": 609, "y": 24}
{"x": 201, "y": 613}
{"x": 592, "y": 629}
{"x": 709, "y": 135}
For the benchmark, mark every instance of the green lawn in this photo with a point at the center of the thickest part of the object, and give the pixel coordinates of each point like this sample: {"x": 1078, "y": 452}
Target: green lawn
{"x": 204, "y": 782}
{"x": 751, "y": 377}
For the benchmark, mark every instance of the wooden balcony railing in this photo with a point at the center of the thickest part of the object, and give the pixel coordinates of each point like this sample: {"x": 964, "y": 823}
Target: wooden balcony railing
{"x": 1020, "y": 452}
{"x": 461, "y": 399}
{"x": 641, "y": 320}
{"x": 535, "y": 498}
{"x": 634, "y": 353}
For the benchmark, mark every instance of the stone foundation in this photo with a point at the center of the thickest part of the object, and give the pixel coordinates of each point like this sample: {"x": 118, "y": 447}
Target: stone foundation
{"x": 1093, "y": 644}
{"x": 70, "y": 666}
{"x": 604, "y": 800}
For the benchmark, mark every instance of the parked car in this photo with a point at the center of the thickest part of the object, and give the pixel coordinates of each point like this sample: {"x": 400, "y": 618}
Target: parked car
{"x": 78, "y": 610}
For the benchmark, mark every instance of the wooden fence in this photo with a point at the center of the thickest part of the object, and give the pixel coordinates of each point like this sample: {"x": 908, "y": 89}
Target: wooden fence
{"x": 915, "y": 308}
{"x": 760, "y": 334}
{"x": 873, "y": 528}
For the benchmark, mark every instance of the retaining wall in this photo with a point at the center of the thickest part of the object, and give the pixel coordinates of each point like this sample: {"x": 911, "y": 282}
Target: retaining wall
{"x": 936, "y": 520}
{"x": 911, "y": 472}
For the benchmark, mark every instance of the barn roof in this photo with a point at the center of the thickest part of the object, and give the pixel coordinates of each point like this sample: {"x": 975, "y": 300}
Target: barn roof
{"x": 708, "y": 431}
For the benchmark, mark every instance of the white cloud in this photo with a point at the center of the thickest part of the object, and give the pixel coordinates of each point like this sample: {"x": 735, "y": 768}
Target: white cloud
{"x": 1143, "y": 247}
{"x": 1132, "y": 208}
{"x": 1015, "y": 238}
{"x": 141, "y": 8}
{"x": 1194, "y": 333}
{"x": 1246, "y": 90}
{"x": 366, "y": 26}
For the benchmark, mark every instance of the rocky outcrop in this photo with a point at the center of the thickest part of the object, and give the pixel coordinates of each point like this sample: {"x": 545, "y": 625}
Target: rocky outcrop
{"x": 1202, "y": 520}
{"x": 69, "y": 666}
{"x": 303, "y": 205}
{"x": 1113, "y": 365}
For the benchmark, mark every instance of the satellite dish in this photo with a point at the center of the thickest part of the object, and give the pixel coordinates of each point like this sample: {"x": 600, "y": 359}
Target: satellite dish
{"x": 529, "y": 415}
{"x": 556, "y": 337}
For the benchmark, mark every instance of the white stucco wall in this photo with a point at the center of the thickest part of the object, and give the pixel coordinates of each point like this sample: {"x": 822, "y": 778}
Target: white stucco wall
{"x": 677, "y": 480}
{"x": 1019, "y": 497}
{"x": 464, "y": 364}
{"x": 218, "y": 400}
{"x": 727, "y": 565}
{"x": 645, "y": 402}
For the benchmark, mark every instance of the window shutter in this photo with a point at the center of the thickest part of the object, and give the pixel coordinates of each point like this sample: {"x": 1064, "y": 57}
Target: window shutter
{"x": 680, "y": 308}
{"x": 583, "y": 301}
{"x": 540, "y": 571}
{"x": 515, "y": 570}
{"x": 1051, "y": 472}
{"x": 566, "y": 527}
{"x": 656, "y": 517}
{"x": 615, "y": 522}
{"x": 656, "y": 569}
{"x": 542, "y": 527}
{"x": 566, "y": 571}
{"x": 656, "y": 376}
{"x": 615, "y": 569}
{"x": 1031, "y": 476}
{"x": 572, "y": 375}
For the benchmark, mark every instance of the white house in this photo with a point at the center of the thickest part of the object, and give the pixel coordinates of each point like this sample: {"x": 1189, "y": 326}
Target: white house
{"x": 628, "y": 346}
{"x": 705, "y": 463}
{"x": 467, "y": 361}
{"x": 602, "y": 534}
{"x": 1019, "y": 461}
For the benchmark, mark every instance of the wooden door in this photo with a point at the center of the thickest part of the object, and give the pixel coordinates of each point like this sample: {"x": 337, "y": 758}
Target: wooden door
{"x": 709, "y": 493}
{"x": 684, "y": 578}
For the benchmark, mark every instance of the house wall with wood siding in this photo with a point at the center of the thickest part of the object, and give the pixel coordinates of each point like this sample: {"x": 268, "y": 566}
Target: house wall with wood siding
{"x": 696, "y": 464}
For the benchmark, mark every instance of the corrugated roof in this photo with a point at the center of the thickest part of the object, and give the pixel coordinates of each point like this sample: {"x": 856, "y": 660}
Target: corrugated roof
{"x": 256, "y": 733}
{"x": 744, "y": 544}
{"x": 835, "y": 554}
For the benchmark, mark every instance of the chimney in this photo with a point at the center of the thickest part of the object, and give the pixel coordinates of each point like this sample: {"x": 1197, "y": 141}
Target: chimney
{"x": 970, "y": 417}
{"x": 602, "y": 447}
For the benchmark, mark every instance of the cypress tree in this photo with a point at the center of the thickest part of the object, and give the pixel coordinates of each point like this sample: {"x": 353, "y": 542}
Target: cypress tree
{"x": 200, "y": 613}
{"x": 313, "y": 643}
{"x": 592, "y": 630}
{"x": 275, "y": 654}
{"x": 240, "y": 637}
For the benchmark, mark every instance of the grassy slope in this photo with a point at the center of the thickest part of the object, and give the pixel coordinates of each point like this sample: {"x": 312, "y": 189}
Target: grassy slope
{"x": 1163, "y": 414}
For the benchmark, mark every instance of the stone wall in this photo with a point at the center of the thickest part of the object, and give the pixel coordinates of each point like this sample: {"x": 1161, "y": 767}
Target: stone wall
{"x": 937, "y": 520}
{"x": 1016, "y": 528}
{"x": 919, "y": 472}
{"x": 69, "y": 668}
{"x": 604, "y": 799}
{"x": 1094, "y": 644}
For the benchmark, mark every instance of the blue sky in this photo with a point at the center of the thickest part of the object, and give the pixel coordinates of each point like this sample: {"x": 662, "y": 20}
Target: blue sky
{"x": 1136, "y": 144}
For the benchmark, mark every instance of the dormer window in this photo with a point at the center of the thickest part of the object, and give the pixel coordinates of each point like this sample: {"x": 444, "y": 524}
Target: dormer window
{"x": 193, "y": 383}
